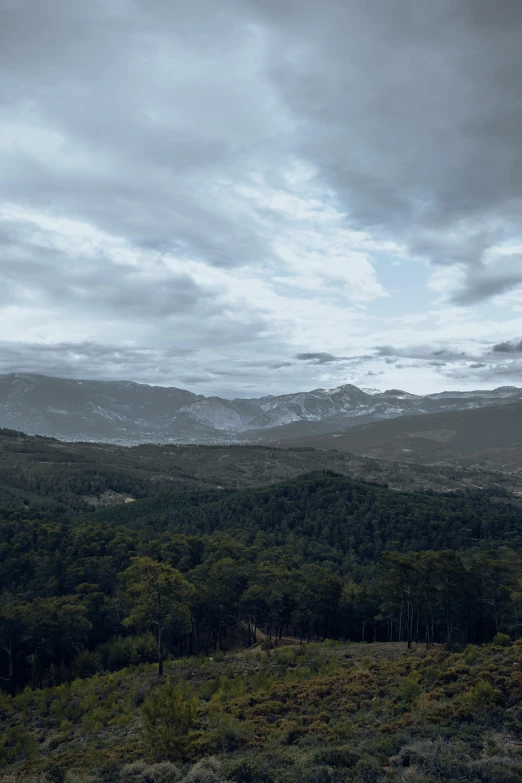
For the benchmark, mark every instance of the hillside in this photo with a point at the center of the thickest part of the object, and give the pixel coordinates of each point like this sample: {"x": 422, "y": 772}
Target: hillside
{"x": 489, "y": 439}
{"x": 319, "y": 628}
{"x": 321, "y": 554}
{"x": 69, "y": 478}
{"x": 333, "y": 511}
{"x": 351, "y": 712}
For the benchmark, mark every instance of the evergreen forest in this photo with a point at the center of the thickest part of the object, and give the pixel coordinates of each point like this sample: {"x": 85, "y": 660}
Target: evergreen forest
{"x": 321, "y": 628}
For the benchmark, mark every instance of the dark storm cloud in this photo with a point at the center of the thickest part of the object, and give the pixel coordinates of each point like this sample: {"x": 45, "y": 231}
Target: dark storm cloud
{"x": 507, "y": 347}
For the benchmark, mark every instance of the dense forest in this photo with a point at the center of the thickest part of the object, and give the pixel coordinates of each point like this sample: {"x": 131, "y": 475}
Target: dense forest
{"x": 185, "y": 573}
{"x": 218, "y": 614}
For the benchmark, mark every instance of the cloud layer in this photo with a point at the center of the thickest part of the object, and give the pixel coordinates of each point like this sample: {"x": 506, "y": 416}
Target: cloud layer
{"x": 253, "y": 197}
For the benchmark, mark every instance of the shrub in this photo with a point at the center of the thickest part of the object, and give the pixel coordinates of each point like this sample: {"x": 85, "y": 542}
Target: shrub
{"x": 501, "y": 640}
{"x": 368, "y": 770}
{"x": 227, "y": 732}
{"x": 55, "y": 774}
{"x": 471, "y": 654}
{"x": 338, "y": 757}
{"x": 409, "y": 688}
{"x": 168, "y": 715}
{"x": 109, "y": 773}
{"x": 484, "y": 694}
{"x": 205, "y": 771}
{"x": 141, "y": 772}
{"x": 123, "y": 651}
{"x": 86, "y": 664}
{"x": 250, "y": 770}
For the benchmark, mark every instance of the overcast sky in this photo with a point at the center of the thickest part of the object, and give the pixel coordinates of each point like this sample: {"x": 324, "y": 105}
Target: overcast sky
{"x": 261, "y": 196}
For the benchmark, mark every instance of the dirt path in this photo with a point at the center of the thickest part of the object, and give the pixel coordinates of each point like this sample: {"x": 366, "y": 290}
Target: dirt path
{"x": 284, "y": 641}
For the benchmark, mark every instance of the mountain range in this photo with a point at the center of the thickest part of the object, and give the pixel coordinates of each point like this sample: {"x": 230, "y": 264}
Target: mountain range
{"x": 129, "y": 413}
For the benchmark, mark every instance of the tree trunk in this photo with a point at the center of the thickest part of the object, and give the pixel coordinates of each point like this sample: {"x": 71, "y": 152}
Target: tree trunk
{"x": 8, "y": 648}
{"x": 160, "y": 651}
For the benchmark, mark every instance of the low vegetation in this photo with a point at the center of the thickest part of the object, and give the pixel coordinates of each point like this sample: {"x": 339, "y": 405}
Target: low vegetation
{"x": 318, "y": 712}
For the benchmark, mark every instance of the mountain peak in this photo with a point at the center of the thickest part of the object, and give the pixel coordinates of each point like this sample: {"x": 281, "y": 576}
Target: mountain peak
{"x": 130, "y": 412}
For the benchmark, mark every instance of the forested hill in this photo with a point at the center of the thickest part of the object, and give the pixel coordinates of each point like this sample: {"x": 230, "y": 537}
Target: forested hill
{"x": 335, "y": 511}
{"x": 185, "y": 573}
{"x": 319, "y": 556}
{"x": 67, "y": 479}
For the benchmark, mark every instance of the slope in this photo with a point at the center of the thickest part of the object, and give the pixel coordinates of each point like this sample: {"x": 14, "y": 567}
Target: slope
{"x": 70, "y": 478}
{"x": 356, "y": 712}
{"x": 488, "y": 438}
{"x": 328, "y": 510}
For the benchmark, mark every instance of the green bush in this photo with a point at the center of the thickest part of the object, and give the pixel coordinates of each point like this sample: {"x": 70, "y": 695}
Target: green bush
{"x": 87, "y": 663}
{"x": 344, "y": 757}
{"x": 501, "y": 640}
{"x": 168, "y": 715}
{"x": 205, "y": 771}
{"x": 227, "y": 733}
{"x": 142, "y": 772}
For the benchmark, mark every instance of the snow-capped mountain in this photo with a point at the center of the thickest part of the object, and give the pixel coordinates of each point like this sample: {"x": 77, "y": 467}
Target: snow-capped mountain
{"x": 123, "y": 411}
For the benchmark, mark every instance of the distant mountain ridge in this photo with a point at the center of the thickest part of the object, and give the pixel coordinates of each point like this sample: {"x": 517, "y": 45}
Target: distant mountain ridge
{"x": 128, "y": 412}
{"x": 487, "y": 438}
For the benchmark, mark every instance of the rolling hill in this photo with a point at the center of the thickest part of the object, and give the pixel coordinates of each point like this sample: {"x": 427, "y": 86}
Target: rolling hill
{"x": 484, "y": 438}
{"x": 69, "y": 478}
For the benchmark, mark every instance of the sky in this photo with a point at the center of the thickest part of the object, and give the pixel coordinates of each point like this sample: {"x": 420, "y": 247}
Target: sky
{"x": 252, "y": 197}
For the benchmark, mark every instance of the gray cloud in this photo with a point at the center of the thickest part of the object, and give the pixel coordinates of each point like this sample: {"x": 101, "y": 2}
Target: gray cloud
{"x": 111, "y": 84}
{"x": 142, "y": 118}
{"x": 492, "y": 374}
{"x": 168, "y": 365}
{"x": 455, "y": 365}
{"x": 70, "y": 360}
{"x": 319, "y": 358}
{"x": 122, "y": 290}
{"x": 422, "y": 141}
{"x": 423, "y": 352}
{"x": 507, "y": 347}
{"x": 482, "y": 282}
